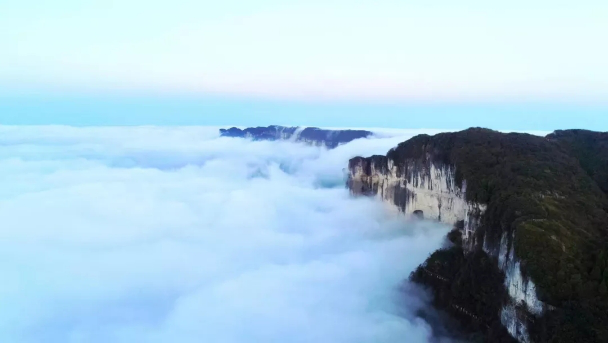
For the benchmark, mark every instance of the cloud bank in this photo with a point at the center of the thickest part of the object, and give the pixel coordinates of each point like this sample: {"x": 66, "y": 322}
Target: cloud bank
{"x": 175, "y": 235}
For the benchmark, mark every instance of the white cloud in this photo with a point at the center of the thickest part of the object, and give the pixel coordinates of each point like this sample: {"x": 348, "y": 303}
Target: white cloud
{"x": 175, "y": 235}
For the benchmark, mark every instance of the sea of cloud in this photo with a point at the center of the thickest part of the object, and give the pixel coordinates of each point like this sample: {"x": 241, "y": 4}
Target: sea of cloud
{"x": 152, "y": 234}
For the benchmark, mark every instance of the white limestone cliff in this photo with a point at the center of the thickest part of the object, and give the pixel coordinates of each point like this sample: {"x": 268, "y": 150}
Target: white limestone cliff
{"x": 431, "y": 188}
{"x": 522, "y": 291}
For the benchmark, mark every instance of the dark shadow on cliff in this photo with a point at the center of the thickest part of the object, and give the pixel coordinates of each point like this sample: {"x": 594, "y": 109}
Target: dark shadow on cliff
{"x": 444, "y": 328}
{"x": 544, "y": 197}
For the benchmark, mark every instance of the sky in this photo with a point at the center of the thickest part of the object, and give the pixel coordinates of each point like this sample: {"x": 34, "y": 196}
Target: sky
{"x": 538, "y": 65}
{"x": 172, "y": 234}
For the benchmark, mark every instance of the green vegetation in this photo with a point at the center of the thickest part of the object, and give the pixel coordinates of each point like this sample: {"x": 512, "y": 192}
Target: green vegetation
{"x": 590, "y": 148}
{"x": 470, "y": 288}
{"x": 548, "y": 196}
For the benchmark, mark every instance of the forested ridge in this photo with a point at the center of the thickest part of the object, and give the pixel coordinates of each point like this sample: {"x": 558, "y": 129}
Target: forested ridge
{"x": 549, "y": 192}
{"x": 590, "y": 148}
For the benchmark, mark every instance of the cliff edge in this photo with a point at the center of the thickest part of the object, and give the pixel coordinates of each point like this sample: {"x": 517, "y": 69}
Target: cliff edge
{"x": 530, "y": 256}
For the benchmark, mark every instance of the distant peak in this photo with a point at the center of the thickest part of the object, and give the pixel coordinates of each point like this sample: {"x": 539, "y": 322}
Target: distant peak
{"x": 310, "y": 135}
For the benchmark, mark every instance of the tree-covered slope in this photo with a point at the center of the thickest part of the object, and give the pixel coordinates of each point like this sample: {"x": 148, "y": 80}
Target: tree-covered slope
{"x": 470, "y": 288}
{"x": 590, "y": 148}
{"x": 535, "y": 188}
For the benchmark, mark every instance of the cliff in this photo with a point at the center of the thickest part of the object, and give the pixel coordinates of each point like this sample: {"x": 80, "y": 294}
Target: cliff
{"x": 308, "y": 135}
{"x": 530, "y": 231}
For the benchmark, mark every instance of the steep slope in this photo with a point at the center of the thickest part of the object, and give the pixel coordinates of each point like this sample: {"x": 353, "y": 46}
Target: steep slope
{"x": 308, "y": 135}
{"x": 590, "y": 148}
{"x": 521, "y": 201}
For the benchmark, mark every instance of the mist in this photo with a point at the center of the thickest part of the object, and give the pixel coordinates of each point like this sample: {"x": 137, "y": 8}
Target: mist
{"x": 156, "y": 234}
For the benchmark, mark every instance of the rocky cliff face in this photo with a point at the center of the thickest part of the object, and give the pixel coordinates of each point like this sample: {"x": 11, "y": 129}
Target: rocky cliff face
{"x": 413, "y": 187}
{"x": 429, "y": 187}
{"x": 309, "y": 135}
{"x": 519, "y": 201}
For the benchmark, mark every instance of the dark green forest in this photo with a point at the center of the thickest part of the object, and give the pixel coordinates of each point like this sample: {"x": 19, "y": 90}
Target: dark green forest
{"x": 550, "y": 192}
{"x": 469, "y": 288}
{"x": 590, "y": 148}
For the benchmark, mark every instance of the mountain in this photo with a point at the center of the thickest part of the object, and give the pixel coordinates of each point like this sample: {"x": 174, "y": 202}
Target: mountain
{"x": 530, "y": 255}
{"x": 309, "y": 135}
{"x": 590, "y": 148}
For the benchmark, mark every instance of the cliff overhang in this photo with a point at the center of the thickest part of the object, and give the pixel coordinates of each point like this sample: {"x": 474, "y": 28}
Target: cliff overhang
{"x": 520, "y": 200}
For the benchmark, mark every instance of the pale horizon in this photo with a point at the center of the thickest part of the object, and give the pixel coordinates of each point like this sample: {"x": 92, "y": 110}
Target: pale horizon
{"x": 374, "y": 51}
{"x": 129, "y": 216}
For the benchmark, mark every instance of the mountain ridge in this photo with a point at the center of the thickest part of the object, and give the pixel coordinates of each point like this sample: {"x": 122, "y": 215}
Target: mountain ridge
{"x": 309, "y": 135}
{"x": 524, "y": 202}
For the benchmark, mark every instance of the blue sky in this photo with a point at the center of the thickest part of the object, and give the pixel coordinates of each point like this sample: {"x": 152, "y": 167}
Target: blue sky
{"x": 144, "y": 110}
{"x": 441, "y": 64}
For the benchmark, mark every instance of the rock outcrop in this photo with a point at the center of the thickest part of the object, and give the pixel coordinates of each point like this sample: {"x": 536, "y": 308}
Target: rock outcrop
{"x": 428, "y": 188}
{"x": 505, "y": 195}
{"x": 309, "y": 135}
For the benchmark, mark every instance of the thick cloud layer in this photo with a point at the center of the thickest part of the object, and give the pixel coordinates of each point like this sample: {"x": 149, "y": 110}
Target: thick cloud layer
{"x": 175, "y": 235}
